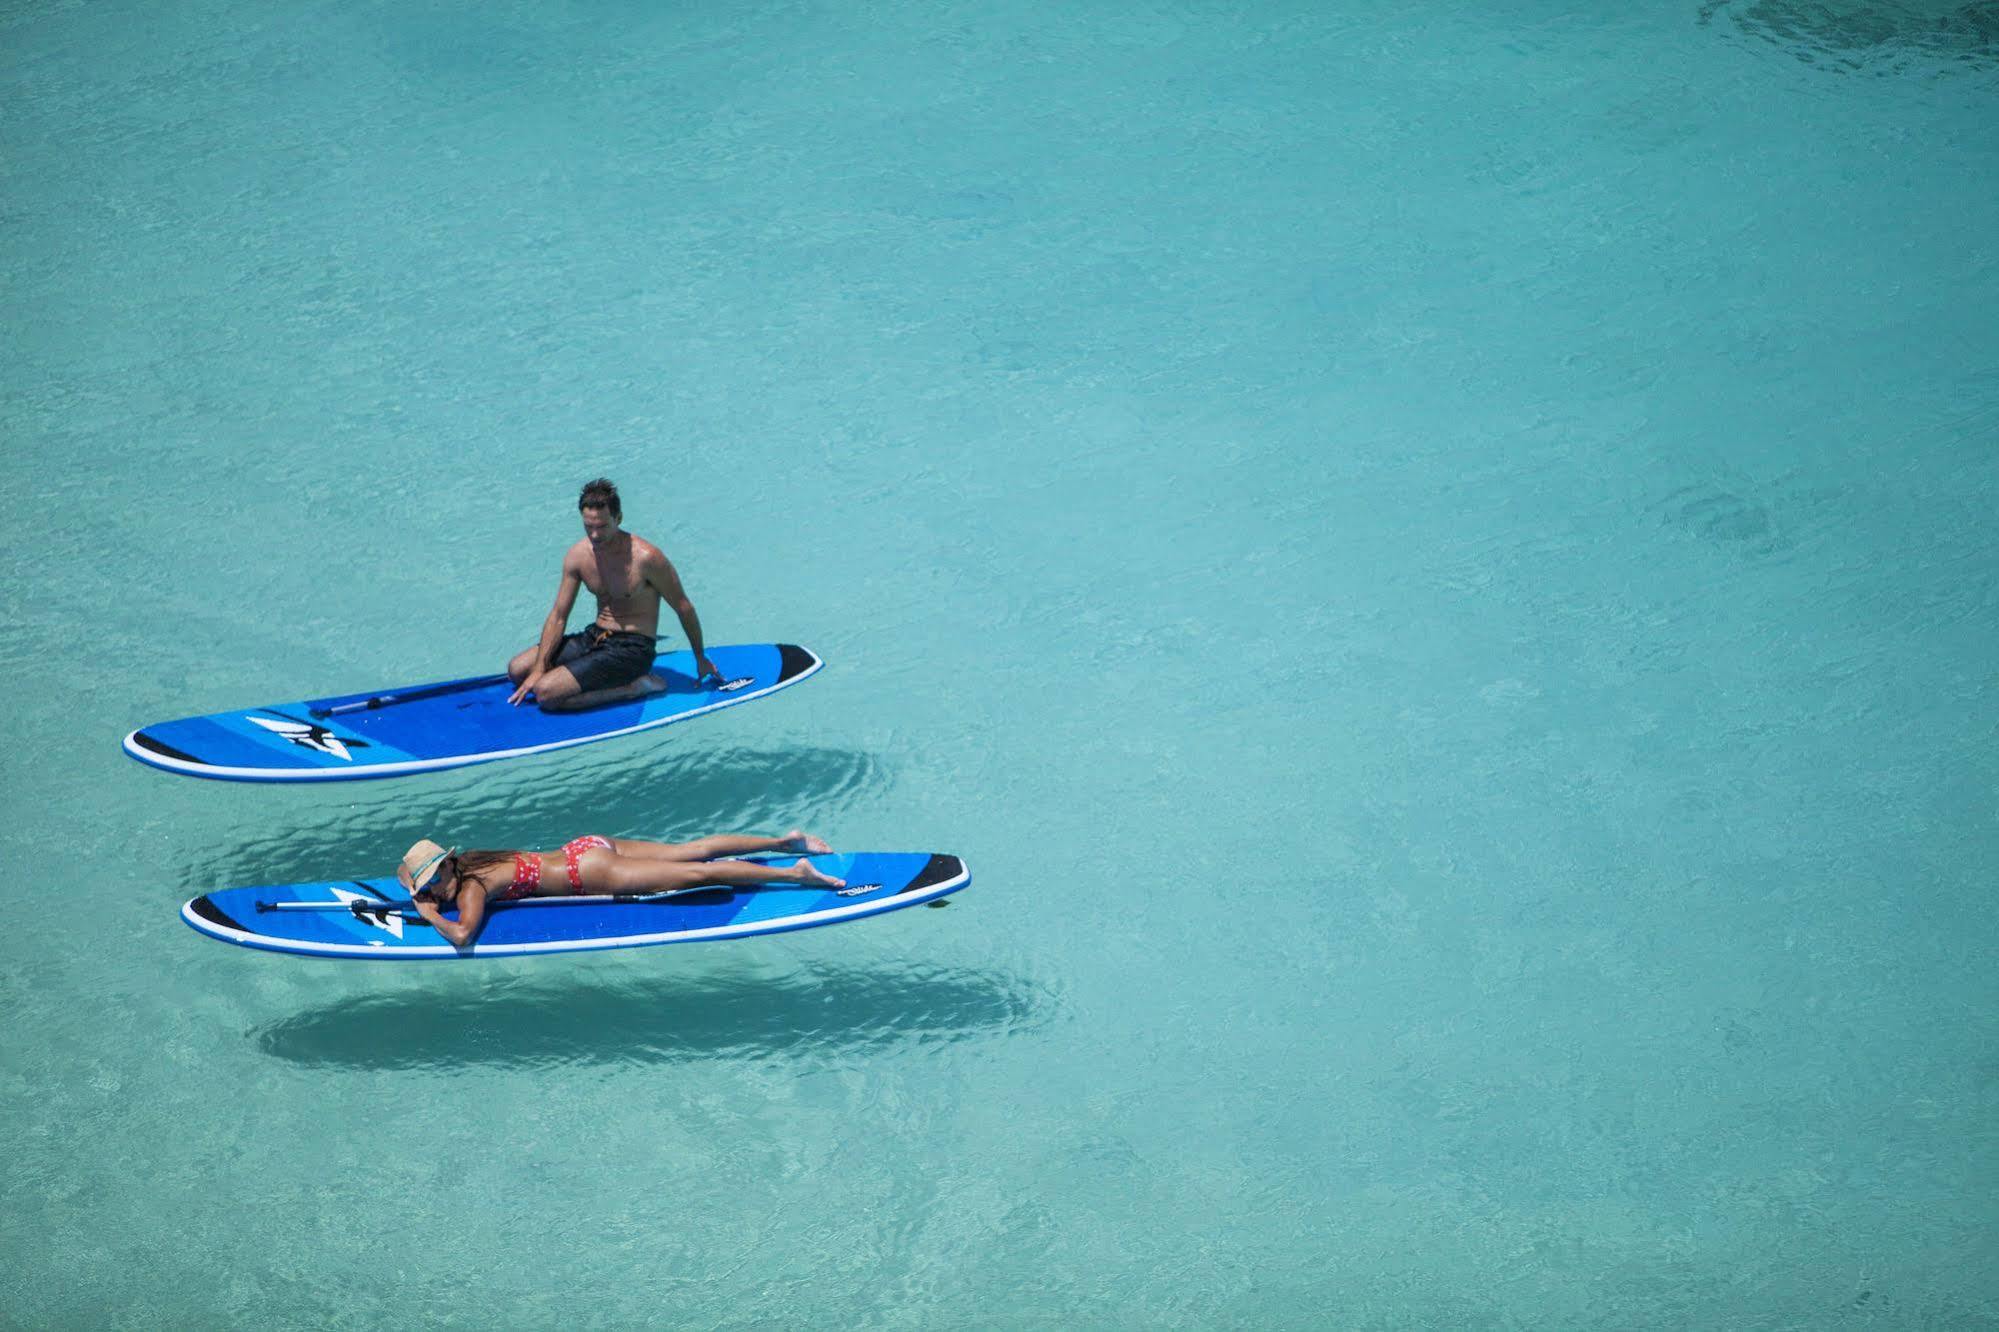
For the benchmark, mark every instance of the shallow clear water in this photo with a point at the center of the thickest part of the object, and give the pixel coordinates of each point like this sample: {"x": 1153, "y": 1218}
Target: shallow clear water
{"x": 1438, "y": 565}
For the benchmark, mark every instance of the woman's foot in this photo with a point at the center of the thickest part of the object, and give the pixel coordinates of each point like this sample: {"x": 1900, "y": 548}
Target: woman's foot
{"x": 809, "y": 873}
{"x": 806, "y": 842}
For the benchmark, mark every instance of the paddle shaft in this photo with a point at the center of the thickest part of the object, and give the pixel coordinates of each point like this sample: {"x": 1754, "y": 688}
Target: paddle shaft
{"x": 424, "y": 691}
{"x": 410, "y": 695}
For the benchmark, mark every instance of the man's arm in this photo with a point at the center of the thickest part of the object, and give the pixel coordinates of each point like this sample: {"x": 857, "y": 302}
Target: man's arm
{"x": 552, "y": 629}
{"x": 666, "y": 580}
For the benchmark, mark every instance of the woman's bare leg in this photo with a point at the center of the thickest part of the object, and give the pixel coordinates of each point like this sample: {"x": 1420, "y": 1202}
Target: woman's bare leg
{"x": 634, "y": 874}
{"x": 723, "y": 844}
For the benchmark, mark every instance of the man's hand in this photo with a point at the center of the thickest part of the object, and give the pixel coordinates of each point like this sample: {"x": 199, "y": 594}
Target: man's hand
{"x": 527, "y": 687}
{"x": 705, "y": 666}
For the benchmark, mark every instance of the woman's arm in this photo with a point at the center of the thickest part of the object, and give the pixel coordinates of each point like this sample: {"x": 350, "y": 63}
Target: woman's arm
{"x": 471, "y": 914}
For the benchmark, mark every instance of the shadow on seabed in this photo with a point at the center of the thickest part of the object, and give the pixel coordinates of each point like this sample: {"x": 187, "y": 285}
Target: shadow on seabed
{"x": 660, "y": 1019}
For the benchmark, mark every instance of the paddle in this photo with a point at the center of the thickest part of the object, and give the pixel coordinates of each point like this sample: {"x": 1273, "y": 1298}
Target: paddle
{"x": 411, "y": 695}
{"x": 424, "y": 691}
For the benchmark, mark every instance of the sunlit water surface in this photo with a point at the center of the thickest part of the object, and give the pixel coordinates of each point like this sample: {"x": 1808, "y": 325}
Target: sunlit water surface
{"x": 1437, "y": 562}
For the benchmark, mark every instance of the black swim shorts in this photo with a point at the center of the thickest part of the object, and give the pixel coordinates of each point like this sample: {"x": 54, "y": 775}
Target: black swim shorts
{"x": 600, "y": 658}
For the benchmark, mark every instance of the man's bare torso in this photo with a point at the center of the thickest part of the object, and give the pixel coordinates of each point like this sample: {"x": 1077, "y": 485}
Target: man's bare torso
{"x": 616, "y": 574}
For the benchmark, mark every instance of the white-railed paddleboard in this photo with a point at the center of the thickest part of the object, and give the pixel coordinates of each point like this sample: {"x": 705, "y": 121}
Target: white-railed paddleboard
{"x": 447, "y": 724}
{"x": 372, "y": 918}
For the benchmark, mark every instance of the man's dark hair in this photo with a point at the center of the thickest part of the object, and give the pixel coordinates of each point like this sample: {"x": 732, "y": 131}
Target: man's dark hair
{"x": 602, "y": 492}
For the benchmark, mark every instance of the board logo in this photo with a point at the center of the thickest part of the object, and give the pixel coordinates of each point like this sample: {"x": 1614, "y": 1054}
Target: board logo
{"x": 307, "y": 736}
{"x": 731, "y": 686}
{"x": 858, "y": 890}
{"x": 388, "y": 918}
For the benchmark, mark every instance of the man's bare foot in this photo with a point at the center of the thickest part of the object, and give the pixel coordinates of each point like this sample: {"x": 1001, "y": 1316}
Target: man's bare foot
{"x": 806, "y": 842}
{"x": 647, "y": 684}
{"x": 810, "y": 874}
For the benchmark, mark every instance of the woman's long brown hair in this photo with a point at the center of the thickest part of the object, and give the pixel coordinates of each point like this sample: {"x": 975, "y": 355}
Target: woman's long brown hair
{"x": 472, "y": 864}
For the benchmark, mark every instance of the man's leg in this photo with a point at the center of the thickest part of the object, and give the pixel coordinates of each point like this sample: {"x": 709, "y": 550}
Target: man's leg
{"x": 554, "y": 688}
{"x": 570, "y": 647}
{"x": 560, "y": 692}
{"x": 615, "y": 669}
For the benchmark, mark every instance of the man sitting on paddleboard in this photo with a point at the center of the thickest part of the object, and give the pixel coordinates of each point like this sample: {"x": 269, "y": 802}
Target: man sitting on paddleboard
{"x": 468, "y": 880}
{"x": 611, "y": 660}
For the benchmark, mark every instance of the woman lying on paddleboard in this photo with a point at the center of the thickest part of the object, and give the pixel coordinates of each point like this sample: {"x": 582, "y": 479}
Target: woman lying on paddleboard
{"x": 437, "y": 878}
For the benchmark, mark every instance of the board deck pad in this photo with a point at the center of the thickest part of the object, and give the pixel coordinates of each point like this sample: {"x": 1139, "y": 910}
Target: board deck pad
{"x": 877, "y": 881}
{"x": 447, "y": 724}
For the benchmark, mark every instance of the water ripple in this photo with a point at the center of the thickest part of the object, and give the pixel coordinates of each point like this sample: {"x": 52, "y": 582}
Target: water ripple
{"x": 1725, "y": 518}
{"x": 810, "y": 1014}
{"x": 1771, "y": 523}
{"x": 1877, "y": 37}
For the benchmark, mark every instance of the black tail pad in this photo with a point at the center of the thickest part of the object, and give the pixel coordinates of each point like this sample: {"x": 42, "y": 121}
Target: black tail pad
{"x": 213, "y": 914}
{"x": 940, "y": 869}
{"x": 793, "y": 661}
{"x": 146, "y": 742}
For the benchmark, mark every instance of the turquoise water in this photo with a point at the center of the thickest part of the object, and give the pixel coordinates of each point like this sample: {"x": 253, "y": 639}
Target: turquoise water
{"x": 1437, "y": 563}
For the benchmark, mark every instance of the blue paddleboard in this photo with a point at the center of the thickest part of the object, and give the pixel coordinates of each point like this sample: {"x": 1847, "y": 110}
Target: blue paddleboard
{"x": 373, "y": 919}
{"x": 422, "y": 728}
